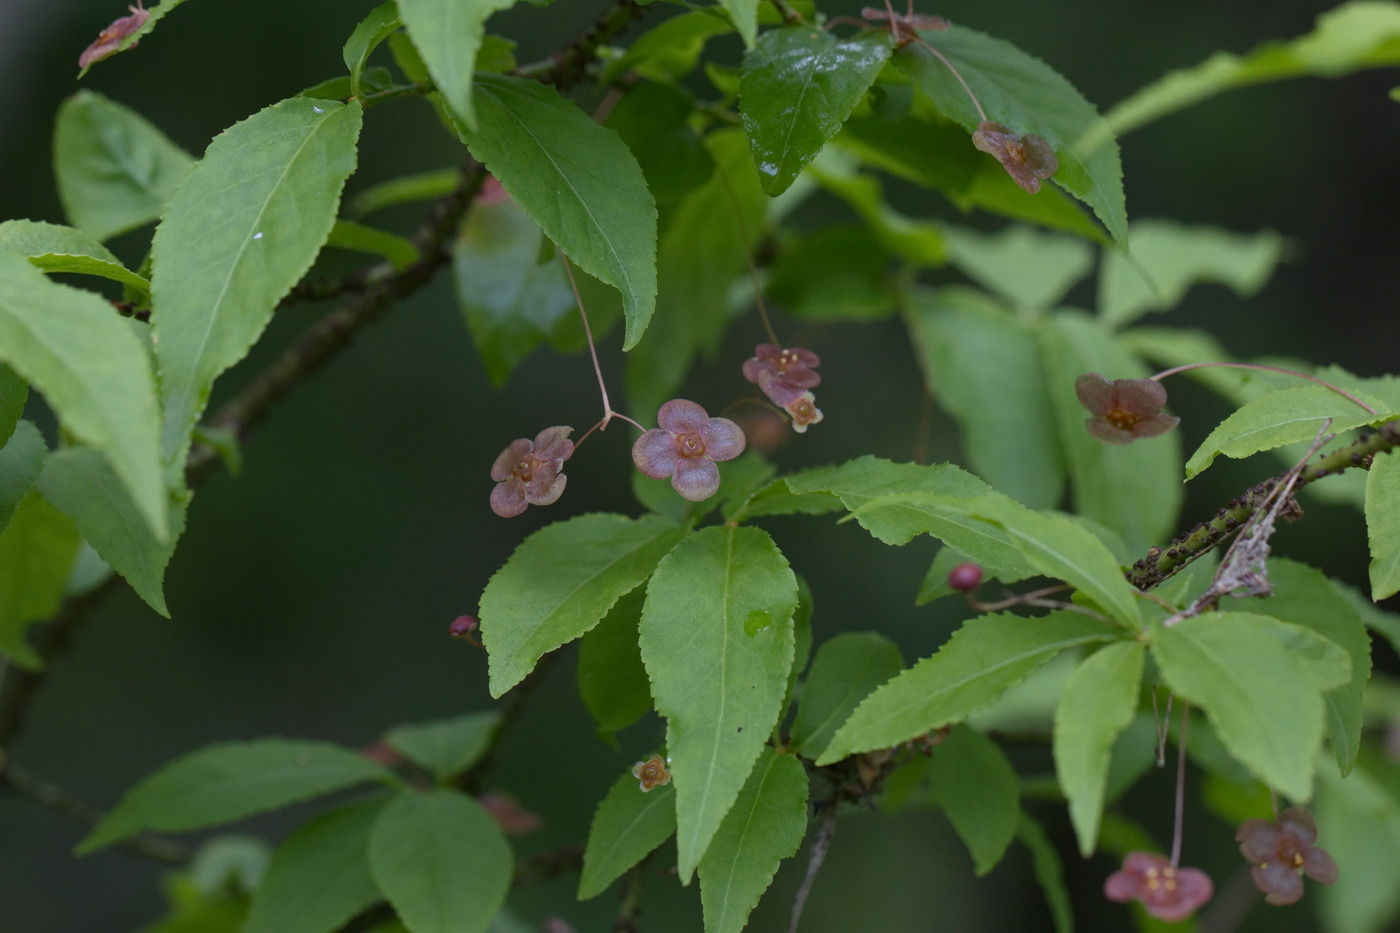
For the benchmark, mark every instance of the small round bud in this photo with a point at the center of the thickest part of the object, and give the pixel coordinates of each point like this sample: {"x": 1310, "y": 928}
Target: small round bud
{"x": 965, "y": 577}
{"x": 463, "y": 626}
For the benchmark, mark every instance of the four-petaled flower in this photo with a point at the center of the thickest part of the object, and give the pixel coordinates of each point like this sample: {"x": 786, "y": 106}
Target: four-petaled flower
{"x": 652, "y": 773}
{"x": 527, "y": 472}
{"x": 109, "y": 40}
{"x": 1278, "y": 850}
{"x": 1168, "y": 893}
{"x": 1124, "y": 409}
{"x": 685, "y": 448}
{"x": 1027, "y": 159}
{"x": 790, "y": 367}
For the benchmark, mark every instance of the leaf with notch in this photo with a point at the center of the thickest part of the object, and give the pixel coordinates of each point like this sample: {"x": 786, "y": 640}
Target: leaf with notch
{"x": 446, "y": 747}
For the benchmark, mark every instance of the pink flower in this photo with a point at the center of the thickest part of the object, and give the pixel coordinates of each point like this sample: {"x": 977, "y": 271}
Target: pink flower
{"x": 1027, "y": 159}
{"x": 1124, "y": 409}
{"x": 1168, "y": 893}
{"x": 527, "y": 472}
{"x": 685, "y": 448}
{"x": 801, "y": 405}
{"x": 110, "y": 39}
{"x": 791, "y": 367}
{"x": 1278, "y": 850}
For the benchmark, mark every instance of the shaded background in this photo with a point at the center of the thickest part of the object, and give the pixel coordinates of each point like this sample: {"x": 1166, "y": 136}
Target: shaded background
{"x": 311, "y": 595}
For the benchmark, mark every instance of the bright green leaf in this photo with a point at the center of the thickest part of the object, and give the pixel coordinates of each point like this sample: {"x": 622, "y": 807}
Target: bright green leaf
{"x": 1028, "y": 268}
{"x": 1049, "y": 872}
{"x": 560, "y": 581}
{"x": 1383, "y": 525}
{"x": 1027, "y": 96}
{"x": 446, "y": 747}
{"x": 347, "y": 234}
{"x": 447, "y": 33}
{"x": 669, "y": 50}
{"x": 1098, "y": 703}
{"x": 442, "y": 861}
{"x": 1286, "y": 416}
{"x": 410, "y": 189}
{"x": 82, "y": 484}
{"x": 274, "y": 182}
{"x": 845, "y": 671}
{"x": 977, "y": 789}
{"x": 986, "y": 656}
{"x": 94, "y": 372}
{"x": 717, "y": 642}
{"x": 744, "y": 13}
{"x": 226, "y": 782}
{"x": 1262, "y": 701}
{"x": 56, "y": 248}
{"x": 319, "y": 876}
{"x": 611, "y": 679}
{"x": 378, "y": 25}
{"x": 628, "y": 824}
{"x": 577, "y": 180}
{"x": 37, "y": 549}
{"x": 765, "y": 826}
{"x": 799, "y": 85}
{"x": 21, "y": 458}
{"x": 115, "y": 170}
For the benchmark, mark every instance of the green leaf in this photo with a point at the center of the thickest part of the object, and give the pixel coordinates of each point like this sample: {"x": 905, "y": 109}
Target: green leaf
{"x": 918, "y": 242}
{"x": 226, "y": 782}
{"x": 274, "y": 181}
{"x": 560, "y": 581}
{"x": 442, "y": 862}
{"x": 838, "y": 273}
{"x": 1285, "y": 416}
{"x": 1026, "y": 95}
{"x": 1262, "y": 700}
{"x": 983, "y": 658}
{"x": 37, "y": 550}
{"x": 744, "y": 13}
{"x": 56, "y": 248}
{"x": 20, "y": 461}
{"x": 577, "y": 180}
{"x": 1133, "y": 489}
{"x": 717, "y": 642}
{"x": 410, "y": 189}
{"x": 652, "y": 119}
{"x": 82, "y": 484}
{"x": 447, "y": 33}
{"x": 1167, "y": 258}
{"x": 1028, "y": 268}
{"x": 446, "y": 747}
{"x": 799, "y": 85}
{"x": 319, "y": 876}
{"x": 115, "y": 170}
{"x": 14, "y": 392}
{"x": 845, "y": 671}
{"x": 1049, "y": 871}
{"x": 347, "y": 234}
{"x": 668, "y": 50}
{"x": 611, "y": 679}
{"x": 1383, "y": 525}
{"x": 381, "y": 23}
{"x": 765, "y": 826}
{"x": 1098, "y": 703}
{"x": 985, "y": 367}
{"x": 628, "y": 824}
{"x": 156, "y": 14}
{"x": 977, "y": 788}
{"x": 1360, "y": 820}
{"x": 1353, "y": 36}
{"x": 94, "y": 372}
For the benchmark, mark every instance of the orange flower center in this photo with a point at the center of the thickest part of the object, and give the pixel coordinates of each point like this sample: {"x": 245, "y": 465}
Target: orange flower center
{"x": 690, "y": 446}
{"x": 1120, "y": 419}
{"x": 525, "y": 469}
{"x": 803, "y": 412}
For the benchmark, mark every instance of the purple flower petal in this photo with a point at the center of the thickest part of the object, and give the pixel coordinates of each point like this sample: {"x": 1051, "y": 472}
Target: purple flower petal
{"x": 724, "y": 440}
{"x": 539, "y": 494}
{"x": 681, "y": 416}
{"x": 508, "y": 498}
{"x": 512, "y": 455}
{"x": 1319, "y": 866}
{"x": 1280, "y": 883}
{"x": 1159, "y": 423}
{"x": 1095, "y": 393}
{"x": 1102, "y": 430}
{"x": 779, "y": 392}
{"x": 1140, "y": 396}
{"x": 654, "y": 453}
{"x": 1299, "y": 822}
{"x": 553, "y": 443}
{"x": 1258, "y": 840}
{"x": 696, "y": 479}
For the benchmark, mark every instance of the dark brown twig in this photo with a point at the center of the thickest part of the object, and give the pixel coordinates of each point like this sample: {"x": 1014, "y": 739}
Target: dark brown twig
{"x": 821, "y": 844}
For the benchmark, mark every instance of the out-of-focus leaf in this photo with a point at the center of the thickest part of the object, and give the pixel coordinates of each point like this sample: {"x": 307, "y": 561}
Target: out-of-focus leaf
{"x": 21, "y": 458}
{"x": 652, "y": 120}
{"x": 447, "y": 33}
{"x": 446, "y": 747}
{"x": 1028, "y": 268}
{"x": 628, "y": 823}
{"x": 918, "y": 242}
{"x": 1359, "y": 826}
{"x": 14, "y": 392}
{"x": 409, "y": 189}
{"x": 37, "y": 549}
{"x": 1049, "y": 871}
{"x": 611, "y": 678}
{"x": 846, "y": 670}
{"x": 346, "y": 234}
{"x": 839, "y": 273}
{"x": 668, "y": 50}
{"x": 1383, "y": 525}
{"x": 56, "y": 248}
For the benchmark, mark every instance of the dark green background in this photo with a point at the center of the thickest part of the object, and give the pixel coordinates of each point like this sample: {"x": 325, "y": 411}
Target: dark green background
{"x": 312, "y": 594}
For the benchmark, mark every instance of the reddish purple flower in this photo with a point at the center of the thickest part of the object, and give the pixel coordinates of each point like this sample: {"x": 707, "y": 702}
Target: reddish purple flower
{"x": 1027, "y": 159}
{"x": 1124, "y": 409}
{"x": 1278, "y": 850}
{"x": 789, "y": 367}
{"x": 685, "y": 448}
{"x": 527, "y": 472}
{"x": 109, "y": 40}
{"x": 801, "y": 404}
{"x": 1168, "y": 893}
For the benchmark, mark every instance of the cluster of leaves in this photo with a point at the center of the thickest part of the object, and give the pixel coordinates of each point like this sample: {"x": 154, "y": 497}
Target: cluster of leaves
{"x": 660, "y": 204}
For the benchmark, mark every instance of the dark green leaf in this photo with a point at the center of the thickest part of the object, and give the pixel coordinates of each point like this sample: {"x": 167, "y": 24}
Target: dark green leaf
{"x": 577, "y": 180}
{"x": 82, "y": 484}
{"x": 836, "y": 274}
{"x": 976, "y": 787}
{"x": 442, "y": 862}
{"x": 1049, "y": 871}
{"x": 799, "y": 85}
{"x": 115, "y": 170}
{"x": 717, "y": 642}
{"x": 1099, "y": 702}
{"x": 985, "y": 367}
{"x": 668, "y": 50}
{"x": 381, "y": 23}
{"x": 374, "y": 78}
{"x": 496, "y": 55}
{"x": 274, "y": 181}
{"x": 560, "y": 582}
{"x": 37, "y": 549}
{"x": 611, "y": 678}
{"x": 982, "y": 659}
{"x": 446, "y": 747}
{"x": 346, "y": 234}
{"x": 94, "y": 372}
{"x": 935, "y": 583}
{"x": 448, "y": 33}
{"x": 14, "y": 392}
{"x": 765, "y": 826}
{"x": 628, "y": 824}
{"x": 222, "y": 783}
{"x": 1383, "y": 525}
{"x": 319, "y": 876}
{"x": 652, "y": 121}
{"x": 20, "y": 461}
{"x": 1027, "y": 96}
{"x": 409, "y": 189}
{"x": 1359, "y": 822}
{"x": 845, "y": 671}
{"x": 55, "y": 248}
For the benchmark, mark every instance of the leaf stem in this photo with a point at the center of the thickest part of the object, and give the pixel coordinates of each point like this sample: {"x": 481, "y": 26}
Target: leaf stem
{"x": 1273, "y": 369}
{"x": 821, "y": 844}
{"x": 971, "y": 96}
{"x": 1180, "y": 784}
{"x": 744, "y": 241}
{"x": 592, "y": 350}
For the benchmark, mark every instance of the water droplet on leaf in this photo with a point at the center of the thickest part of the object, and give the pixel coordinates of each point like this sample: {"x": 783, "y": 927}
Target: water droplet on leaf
{"x": 757, "y": 621}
